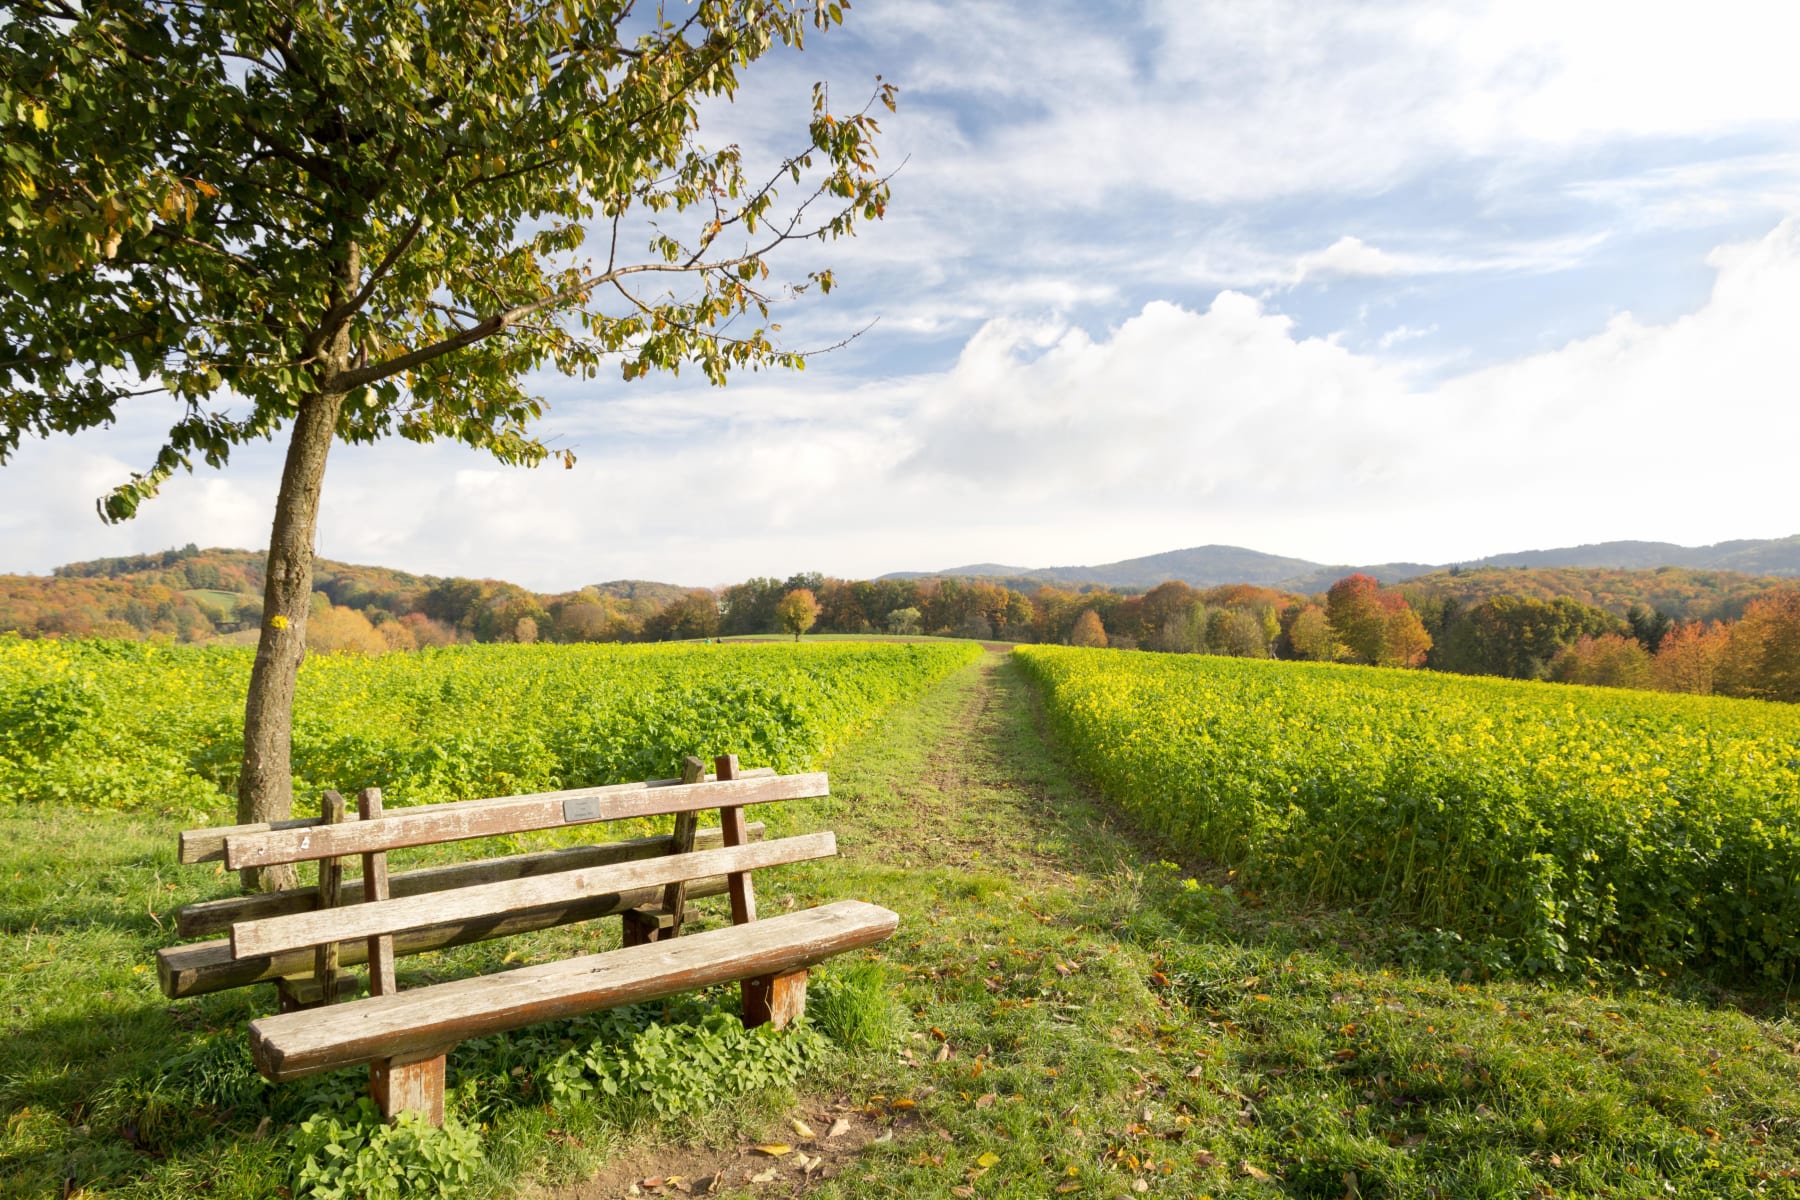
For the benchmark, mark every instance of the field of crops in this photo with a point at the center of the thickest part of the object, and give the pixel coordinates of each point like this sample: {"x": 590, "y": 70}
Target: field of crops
{"x": 1546, "y": 825}
{"x": 126, "y": 725}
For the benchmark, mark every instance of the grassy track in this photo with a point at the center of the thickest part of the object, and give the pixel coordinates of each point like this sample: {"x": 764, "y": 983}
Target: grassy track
{"x": 1065, "y": 1015}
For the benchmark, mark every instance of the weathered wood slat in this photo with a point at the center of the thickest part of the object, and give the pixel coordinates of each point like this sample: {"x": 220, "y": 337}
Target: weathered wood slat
{"x": 208, "y": 845}
{"x": 292, "y": 1045}
{"x": 513, "y": 814}
{"x": 736, "y": 833}
{"x": 675, "y": 895}
{"x": 331, "y": 886}
{"x": 201, "y": 968}
{"x": 393, "y": 916}
{"x": 216, "y": 916}
{"x": 375, "y": 886}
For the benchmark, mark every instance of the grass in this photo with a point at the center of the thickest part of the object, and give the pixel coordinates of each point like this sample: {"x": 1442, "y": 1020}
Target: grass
{"x": 226, "y": 602}
{"x": 1061, "y": 1013}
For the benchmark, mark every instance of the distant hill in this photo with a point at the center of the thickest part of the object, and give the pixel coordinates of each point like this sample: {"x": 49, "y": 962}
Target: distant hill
{"x": 1681, "y": 592}
{"x": 1198, "y": 566}
{"x": 1211, "y": 566}
{"x": 1770, "y": 556}
{"x": 658, "y": 594}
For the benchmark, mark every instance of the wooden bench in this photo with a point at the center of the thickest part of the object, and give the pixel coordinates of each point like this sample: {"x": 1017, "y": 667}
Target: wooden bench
{"x": 302, "y": 939}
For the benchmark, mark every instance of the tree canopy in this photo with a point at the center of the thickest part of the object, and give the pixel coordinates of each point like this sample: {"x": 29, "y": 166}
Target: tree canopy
{"x": 251, "y": 202}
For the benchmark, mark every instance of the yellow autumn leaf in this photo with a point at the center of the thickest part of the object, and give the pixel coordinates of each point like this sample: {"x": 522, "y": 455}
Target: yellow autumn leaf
{"x": 988, "y": 1159}
{"x": 774, "y": 1149}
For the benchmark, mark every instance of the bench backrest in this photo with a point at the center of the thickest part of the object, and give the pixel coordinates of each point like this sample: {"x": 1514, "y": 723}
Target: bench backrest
{"x": 316, "y": 930}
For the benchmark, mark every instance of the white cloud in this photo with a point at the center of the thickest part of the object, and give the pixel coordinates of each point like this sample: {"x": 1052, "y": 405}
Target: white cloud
{"x": 1045, "y": 443}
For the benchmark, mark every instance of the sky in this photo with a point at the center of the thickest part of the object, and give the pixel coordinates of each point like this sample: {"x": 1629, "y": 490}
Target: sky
{"x": 1355, "y": 281}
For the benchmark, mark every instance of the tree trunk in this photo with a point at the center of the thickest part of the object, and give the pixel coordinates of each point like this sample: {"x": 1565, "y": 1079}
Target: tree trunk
{"x": 265, "y": 781}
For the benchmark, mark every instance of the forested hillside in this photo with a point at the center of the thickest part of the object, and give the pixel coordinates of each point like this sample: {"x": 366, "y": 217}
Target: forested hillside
{"x": 1672, "y": 628}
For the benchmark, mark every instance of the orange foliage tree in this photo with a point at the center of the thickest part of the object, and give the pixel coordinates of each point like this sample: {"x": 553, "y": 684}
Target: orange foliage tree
{"x": 1088, "y": 630}
{"x": 1762, "y": 658}
{"x": 797, "y": 611}
{"x": 1688, "y": 659}
{"x": 1610, "y": 660}
{"x": 1376, "y": 626}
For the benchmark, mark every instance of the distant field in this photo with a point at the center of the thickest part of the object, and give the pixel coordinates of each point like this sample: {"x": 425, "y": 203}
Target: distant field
{"x": 1547, "y": 825}
{"x": 227, "y": 601}
{"x": 136, "y": 726}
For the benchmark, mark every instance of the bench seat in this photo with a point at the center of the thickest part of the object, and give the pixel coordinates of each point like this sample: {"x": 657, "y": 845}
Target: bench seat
{"x": 425, "y": 1020}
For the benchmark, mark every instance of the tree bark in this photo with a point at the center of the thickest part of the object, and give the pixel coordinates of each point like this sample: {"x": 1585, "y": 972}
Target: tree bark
{"x": 265, "y": 781}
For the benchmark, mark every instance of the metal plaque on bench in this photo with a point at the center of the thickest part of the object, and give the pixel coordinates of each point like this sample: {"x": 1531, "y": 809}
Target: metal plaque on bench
{"x": 581, "y": 808}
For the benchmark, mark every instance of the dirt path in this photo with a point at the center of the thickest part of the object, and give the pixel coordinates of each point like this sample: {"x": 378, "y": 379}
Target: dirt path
{"x": 954, "y": 814}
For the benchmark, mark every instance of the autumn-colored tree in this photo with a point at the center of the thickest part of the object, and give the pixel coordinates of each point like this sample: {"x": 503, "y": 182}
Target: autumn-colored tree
{"x": 1689, "y": 656}
{"x": 1376, "y": 626}
{"x": 693, "y": 615}
{"x": 427, "y": 632}
{"x": 397, "y": 635}
{"x": 1610, "y": 660}
{"x": 1238, "y": 632}
{"x": 1056, "y": 612}
{"x": 797, "y": 611}
{"x": 1353, "y": 607}
{"x": 337, "y": 630}
{"x": 361, "y": 219}
{"x": 903, "y": 621}
{"x": 1088, "y": 631}
{"x": 1167, "y": 605}
{"x": 1762, "y": 658}
{"x": 1309, "y": 636}
{"x": 1404, "y": 642}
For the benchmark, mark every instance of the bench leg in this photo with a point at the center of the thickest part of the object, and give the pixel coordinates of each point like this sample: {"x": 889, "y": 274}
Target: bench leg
{"x": 644, "y": 925}
{"x": 411, "y": 1082}
{"x": 297, "y": 992}
{"x": 775, "y": 999}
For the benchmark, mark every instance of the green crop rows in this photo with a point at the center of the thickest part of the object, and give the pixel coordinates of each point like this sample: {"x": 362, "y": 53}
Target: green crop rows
{"x": 1538, "y": 826}
{"x": 127, "y": 725}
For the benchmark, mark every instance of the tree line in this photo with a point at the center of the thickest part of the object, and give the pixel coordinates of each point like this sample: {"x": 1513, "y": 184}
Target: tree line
{"x": 191, "y": 595}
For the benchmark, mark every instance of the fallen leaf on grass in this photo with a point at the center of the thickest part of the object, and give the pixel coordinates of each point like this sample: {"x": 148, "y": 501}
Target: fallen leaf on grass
{"x": 768, "y": 1176}
{"x": 838, "y": 1128}
{"x": 774, "y": 1149}
{"x": 803, "y": 1129}
{"x": 985, "y": 1101}
{"x": 988, "y": 1159}
{"x": 1244, "y": 1168}
{"x": 943, "y": 1052}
